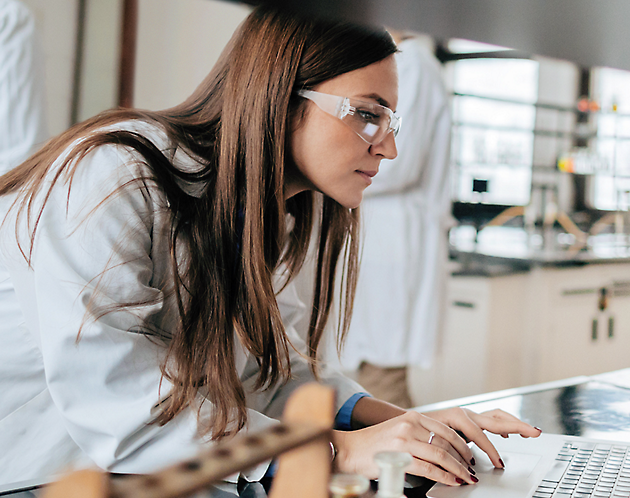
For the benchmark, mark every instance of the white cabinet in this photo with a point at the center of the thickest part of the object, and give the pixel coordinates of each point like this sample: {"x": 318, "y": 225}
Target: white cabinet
{"x": 577, "y": 337}
{"x": 472, "y": 350}
{"x": 520, "y": 329}
{"x": 458, "y": 368}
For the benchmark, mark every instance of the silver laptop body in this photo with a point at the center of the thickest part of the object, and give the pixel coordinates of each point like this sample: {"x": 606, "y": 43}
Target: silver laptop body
{"x": 550, "y": 466}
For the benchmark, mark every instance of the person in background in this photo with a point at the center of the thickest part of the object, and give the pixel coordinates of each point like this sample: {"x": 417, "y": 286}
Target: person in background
{"x": 406, "y": 214}
{"x": 22, "y": 101}
{"x": 143, "y": 255}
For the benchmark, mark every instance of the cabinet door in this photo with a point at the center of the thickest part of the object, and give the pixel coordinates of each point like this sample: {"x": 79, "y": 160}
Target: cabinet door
{"x": 459, "y": 367}
{"x": 583, "y": 339}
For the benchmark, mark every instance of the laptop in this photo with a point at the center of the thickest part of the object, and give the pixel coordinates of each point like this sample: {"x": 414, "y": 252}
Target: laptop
{"x": 550, "y": 466}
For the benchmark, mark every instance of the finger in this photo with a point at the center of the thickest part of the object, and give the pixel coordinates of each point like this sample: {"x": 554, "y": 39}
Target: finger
{"x": 463, "y": 436}
{"x": 488, "y": 448}
{"x": 443, "y": 459}
{"x": 501, "y": 422}
{"x": 430, "y": 471}
{"x": 539, "y": 433}
{"x": 435, "y": 473}
{"x": 474, "y": 432}
{"x": 450, "y": 436}
{"x": 504, "y": 423}
{"x": 450, "y": 440}
{"x": 443, "y": 443}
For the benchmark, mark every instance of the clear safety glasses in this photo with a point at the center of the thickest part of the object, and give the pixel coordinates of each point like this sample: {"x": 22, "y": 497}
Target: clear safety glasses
{"x": 372, "y": 122}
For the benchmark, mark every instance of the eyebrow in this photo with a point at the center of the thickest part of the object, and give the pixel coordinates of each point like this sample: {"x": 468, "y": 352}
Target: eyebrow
{"x": 376, "y": 97}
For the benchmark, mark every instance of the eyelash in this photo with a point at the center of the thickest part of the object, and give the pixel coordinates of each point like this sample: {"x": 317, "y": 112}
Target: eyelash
{"x": 366, "y": 115}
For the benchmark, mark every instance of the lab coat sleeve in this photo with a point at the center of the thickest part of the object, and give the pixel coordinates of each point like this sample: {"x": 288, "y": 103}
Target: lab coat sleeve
{"x": 93, "y": 250}
{"x": 22, "y": 101}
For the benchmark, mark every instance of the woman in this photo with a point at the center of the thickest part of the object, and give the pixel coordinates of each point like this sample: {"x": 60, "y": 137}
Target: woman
{"x": 144, "y": 251}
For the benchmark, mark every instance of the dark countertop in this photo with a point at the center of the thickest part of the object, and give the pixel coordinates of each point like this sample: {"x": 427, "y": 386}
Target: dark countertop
{"x": 505, "y": 250}
{"x": 596, "y": 406}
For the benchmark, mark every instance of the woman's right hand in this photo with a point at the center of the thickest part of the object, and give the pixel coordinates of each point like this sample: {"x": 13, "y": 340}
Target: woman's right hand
{"x": 447, "y": 459}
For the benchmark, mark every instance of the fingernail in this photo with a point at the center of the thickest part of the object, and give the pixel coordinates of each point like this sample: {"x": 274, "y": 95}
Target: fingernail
{"x": 471, "y": 471}
{"x": 472, "y": 461}
{"x": 502, "y": 464}
{"x": 460, "y": 481}
{"x": 474, "y": 479}
{"x": 538, "y": 429}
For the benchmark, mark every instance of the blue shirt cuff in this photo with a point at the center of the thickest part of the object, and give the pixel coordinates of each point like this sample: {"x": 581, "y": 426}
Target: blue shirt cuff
{"x": 271, "y": 470}
{"x": 343, "y": 419}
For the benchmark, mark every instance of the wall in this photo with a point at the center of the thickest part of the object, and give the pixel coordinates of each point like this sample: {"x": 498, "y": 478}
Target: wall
{"x": 99, "y": 76}
{"x": 177, "y": 47}
{"x": 178, "y": 42}
{"x": 56, "y": 23}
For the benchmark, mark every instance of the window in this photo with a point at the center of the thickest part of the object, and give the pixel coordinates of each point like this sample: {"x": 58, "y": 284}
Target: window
{"x": 493, "y": 126}
{"x": 611, "y": 184}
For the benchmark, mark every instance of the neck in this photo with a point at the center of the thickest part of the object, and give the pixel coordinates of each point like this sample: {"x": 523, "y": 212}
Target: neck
{"x": 294, "y": 182}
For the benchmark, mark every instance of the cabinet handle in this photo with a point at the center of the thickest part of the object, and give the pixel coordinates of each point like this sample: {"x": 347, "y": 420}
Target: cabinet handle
{"x": 594, "y": 330}
{"x": 611, "y": 327}
{"x": 621, "y": 288}
{"x": 463, "y": 304}
{"x": 578, "y": 292}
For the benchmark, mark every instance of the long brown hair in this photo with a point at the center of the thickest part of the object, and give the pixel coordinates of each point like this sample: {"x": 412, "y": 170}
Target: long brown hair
{"x": 235, "y": 235}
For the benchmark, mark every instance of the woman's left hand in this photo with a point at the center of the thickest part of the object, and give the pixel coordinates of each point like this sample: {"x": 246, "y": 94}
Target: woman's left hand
{"x": 471, "y": 425}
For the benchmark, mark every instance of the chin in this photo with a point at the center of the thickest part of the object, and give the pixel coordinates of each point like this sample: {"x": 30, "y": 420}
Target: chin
{"x": 351, "y": 203}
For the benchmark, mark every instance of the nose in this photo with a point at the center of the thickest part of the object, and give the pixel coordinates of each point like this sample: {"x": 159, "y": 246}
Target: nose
{"x": 386, "y": 148}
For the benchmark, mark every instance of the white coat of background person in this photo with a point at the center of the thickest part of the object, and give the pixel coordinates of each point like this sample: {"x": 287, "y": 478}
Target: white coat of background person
{"x": 406, "y": 215}
{"x": 22, "y": 102}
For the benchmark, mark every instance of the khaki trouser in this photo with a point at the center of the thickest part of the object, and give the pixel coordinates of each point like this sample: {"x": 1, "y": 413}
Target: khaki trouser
{"x": 388, "y": 384}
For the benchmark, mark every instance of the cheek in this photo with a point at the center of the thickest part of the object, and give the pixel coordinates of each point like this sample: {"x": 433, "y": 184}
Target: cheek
{"x": 324, "y": 149}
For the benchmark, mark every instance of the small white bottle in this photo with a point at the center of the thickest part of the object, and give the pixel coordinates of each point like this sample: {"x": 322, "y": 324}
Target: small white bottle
{"x": 391, "y": 480}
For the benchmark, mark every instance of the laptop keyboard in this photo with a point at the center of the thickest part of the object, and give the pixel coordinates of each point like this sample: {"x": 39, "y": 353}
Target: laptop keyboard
{"x": 587, "y": 470}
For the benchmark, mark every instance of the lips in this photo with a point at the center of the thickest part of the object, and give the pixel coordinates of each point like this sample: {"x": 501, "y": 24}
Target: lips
{"x": 367, "y": 175}
{"x": 371, "y": 174}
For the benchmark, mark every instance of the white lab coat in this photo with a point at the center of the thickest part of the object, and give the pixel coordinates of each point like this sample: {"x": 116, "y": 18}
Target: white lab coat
{"x": 405, "y": 220}
{"x": 75, "y": 403}
{"x": 22, "y": 101}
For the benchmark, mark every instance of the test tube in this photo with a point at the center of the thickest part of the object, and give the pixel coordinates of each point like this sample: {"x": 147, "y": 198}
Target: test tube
{"x": 391, "y": 480}
{"x": 348, "y": 485}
